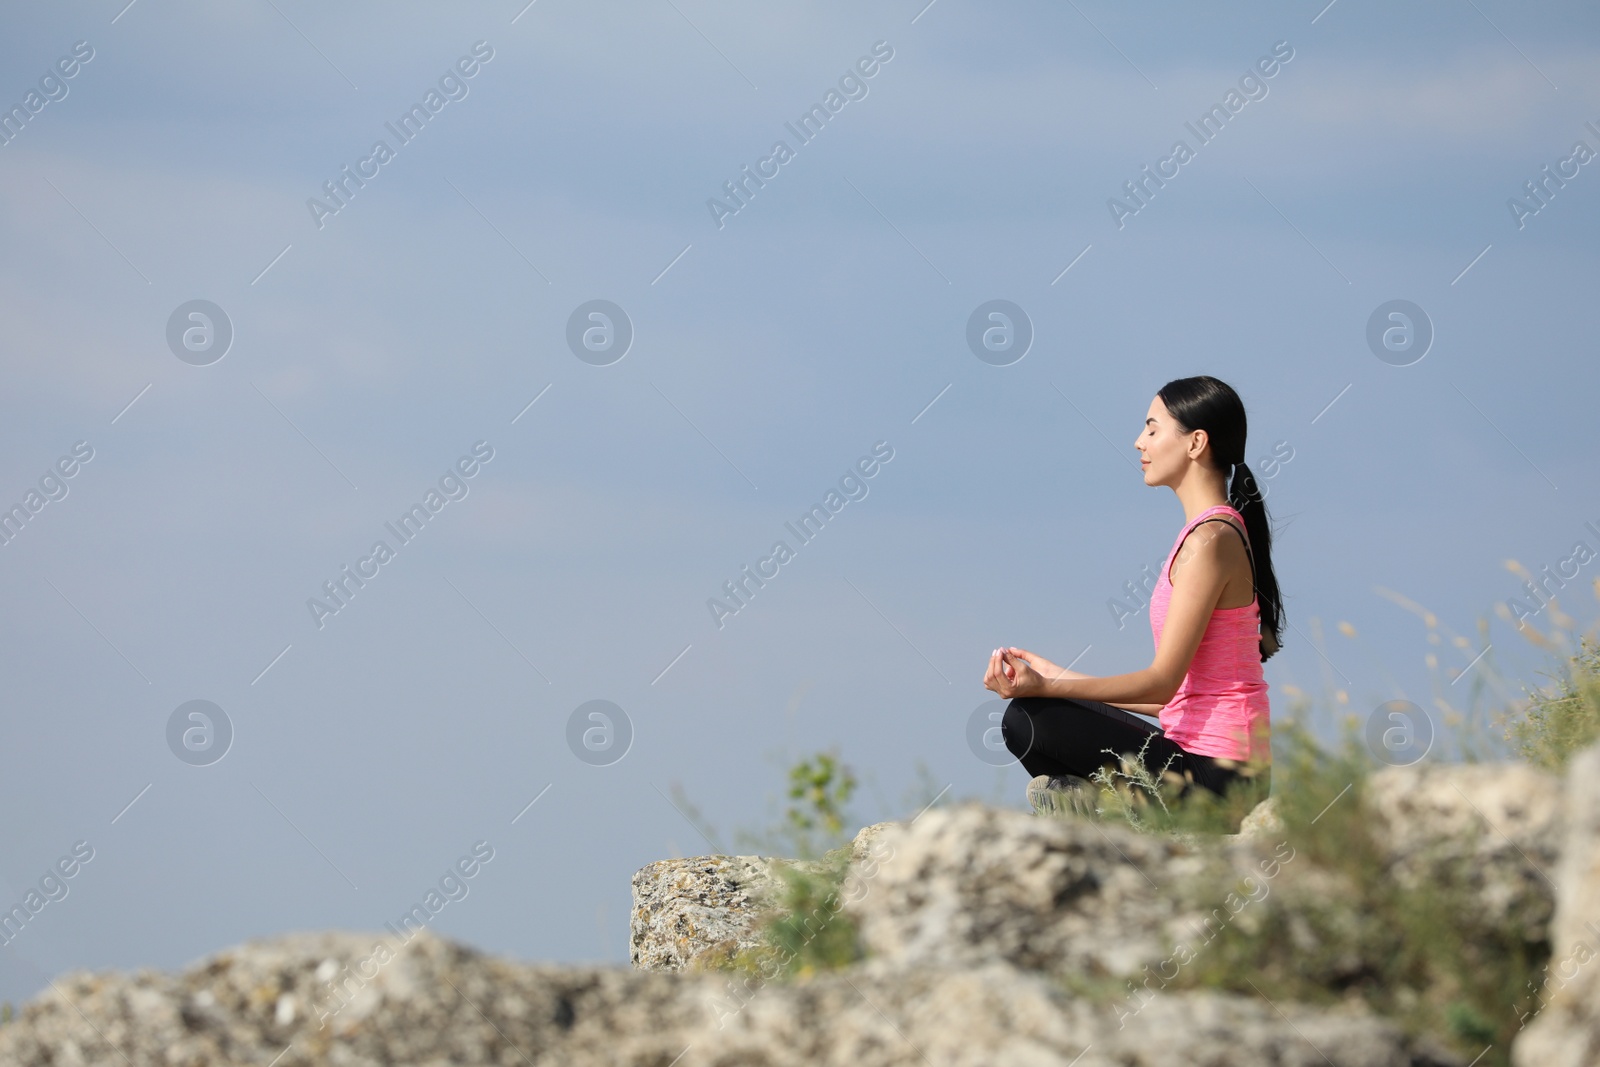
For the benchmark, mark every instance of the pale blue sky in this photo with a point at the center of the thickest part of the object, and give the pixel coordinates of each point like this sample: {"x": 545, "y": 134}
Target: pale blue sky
{"x": 768, "y": 356}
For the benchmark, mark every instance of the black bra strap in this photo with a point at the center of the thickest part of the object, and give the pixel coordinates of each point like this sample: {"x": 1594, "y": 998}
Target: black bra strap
{"x": 1247, "y": 550}
{"x": 1233, "y": 526}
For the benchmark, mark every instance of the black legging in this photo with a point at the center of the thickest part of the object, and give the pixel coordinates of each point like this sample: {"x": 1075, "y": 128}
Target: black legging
{"x": 1060, "y": 737}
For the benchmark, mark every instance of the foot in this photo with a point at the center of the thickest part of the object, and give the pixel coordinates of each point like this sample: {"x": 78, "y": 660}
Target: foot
{"x": 1061, "y": 795}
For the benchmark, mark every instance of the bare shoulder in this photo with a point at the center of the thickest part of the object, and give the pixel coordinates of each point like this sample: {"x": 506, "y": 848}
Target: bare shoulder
{"x": 1215, "y": 544}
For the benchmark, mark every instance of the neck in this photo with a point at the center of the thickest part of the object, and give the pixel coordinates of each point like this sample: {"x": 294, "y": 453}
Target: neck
{"x": 1200, "y": 489}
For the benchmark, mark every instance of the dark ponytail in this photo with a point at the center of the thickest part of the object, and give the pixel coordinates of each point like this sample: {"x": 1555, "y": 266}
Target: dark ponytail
{"x": 1205, "y": 403}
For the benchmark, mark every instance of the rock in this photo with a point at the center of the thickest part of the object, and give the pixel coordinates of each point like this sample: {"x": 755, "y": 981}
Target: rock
{"x": 1502, "y": 822}
{"x": 1566, "y": 1032}
{"x": 709, "y": 907}
{"x": 996, "y": 1014}
{"x": 970, "y": 885}
{"x": 995, "y": 937}
{"x": 684, "y": 909}
{"x": 426, "y": 1001}
{"x": 865, "y": 845}
{"x": 1095, "y": 899}
{"x": 1262, "y": 822}
{"x": 435, "y": 1004}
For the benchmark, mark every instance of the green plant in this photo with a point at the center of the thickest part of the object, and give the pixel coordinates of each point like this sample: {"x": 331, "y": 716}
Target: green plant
{"x": 820, "y": 788}
{"x": 1342, "y": 926}
{"x": 803, "y": 929}
{"x": 815, "y": 817}
{"x": 1167, "y": 802}
{"x": 1557, "y": 725}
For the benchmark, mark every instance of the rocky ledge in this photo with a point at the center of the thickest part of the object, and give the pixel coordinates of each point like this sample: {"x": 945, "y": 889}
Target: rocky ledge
{"x": 979, "y": 924}
{"x": 709, "y": 906}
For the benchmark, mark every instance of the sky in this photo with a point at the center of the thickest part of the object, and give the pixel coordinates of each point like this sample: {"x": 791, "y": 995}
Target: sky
{"x": 252, "y": 379}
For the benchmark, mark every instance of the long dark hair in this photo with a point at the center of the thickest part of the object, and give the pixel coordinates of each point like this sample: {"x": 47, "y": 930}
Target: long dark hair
{"x": 1205, "y": 403}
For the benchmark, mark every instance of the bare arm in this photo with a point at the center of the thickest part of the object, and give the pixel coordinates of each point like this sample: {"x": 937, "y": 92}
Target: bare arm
{"x": 1152, "y": 710}
{"x": 1143, "y": 691}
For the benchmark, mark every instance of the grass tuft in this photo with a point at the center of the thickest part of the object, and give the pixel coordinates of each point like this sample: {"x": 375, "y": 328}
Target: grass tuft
{"x": 1558, "y": 725}
{"x": 1342, "y": 927}
{"x": 803, "y": 930}
{"x": 1167, "y": 802}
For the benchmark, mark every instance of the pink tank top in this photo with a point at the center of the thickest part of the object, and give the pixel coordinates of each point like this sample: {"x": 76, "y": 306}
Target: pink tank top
{"x": 1222, "y": 700}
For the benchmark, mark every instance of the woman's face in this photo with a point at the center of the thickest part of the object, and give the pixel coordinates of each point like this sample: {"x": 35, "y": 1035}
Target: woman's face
{"x": 1163, "y": 446}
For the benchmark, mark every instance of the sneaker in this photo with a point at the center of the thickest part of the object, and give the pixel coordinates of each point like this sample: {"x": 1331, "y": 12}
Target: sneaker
{"x": 1061, "y": 795}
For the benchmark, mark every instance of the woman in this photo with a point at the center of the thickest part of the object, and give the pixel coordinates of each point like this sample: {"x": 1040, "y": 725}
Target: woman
{"x": 1215, "y": 614}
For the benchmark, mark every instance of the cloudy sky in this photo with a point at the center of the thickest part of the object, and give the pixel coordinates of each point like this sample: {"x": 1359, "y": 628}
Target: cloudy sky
{"x": 352, "y": 353}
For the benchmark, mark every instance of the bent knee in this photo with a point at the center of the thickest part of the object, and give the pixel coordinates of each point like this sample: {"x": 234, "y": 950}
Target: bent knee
{"x": 1016, "y": 727}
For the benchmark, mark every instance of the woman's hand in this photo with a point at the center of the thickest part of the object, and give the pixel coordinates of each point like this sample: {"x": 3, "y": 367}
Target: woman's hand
{"x": 1040, "y": 664}
{"x": 1010, "y": 676}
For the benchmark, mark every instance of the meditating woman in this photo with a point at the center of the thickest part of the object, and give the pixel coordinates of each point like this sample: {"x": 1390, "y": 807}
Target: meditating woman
{"x": 1215, "y": 614}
